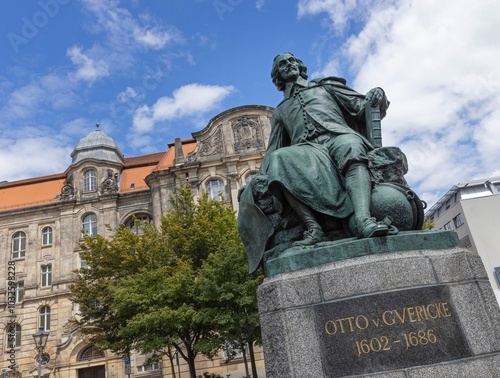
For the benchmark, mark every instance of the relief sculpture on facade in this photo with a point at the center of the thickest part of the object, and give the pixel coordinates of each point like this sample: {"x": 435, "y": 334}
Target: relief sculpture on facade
{"x": 247, "y": 133}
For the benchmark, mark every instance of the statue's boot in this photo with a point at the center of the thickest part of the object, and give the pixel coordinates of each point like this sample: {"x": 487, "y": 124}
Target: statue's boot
{"x": 358, "y": 185}
{"x": 313, "y": 233}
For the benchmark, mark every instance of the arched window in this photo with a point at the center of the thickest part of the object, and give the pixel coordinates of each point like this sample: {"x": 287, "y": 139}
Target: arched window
{"x": 134, "y": 223}
{"x": 215, "y": 189}
{"x": 13, "y": 339}
{"x": 45, "y": 318}
{"x": 89, "y": 224}
{"x": 89, "y": 180}
{"x": 47, "y": 236}
{"x": 18, "y": 245}
{"x": 90, "y": 353}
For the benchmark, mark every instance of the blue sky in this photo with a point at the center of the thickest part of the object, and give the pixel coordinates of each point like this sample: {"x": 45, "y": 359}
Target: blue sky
{"x": 150, "y": 71}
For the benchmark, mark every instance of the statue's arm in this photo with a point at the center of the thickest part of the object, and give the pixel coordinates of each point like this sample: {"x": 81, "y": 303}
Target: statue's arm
{"x": 354, "y": 103}
{"x": 376, "y": 98}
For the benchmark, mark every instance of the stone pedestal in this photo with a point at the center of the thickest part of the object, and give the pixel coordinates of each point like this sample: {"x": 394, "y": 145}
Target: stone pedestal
{"x": 411, "y": 305}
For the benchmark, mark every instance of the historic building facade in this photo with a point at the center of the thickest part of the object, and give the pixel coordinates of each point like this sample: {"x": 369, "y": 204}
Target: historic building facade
{"x": 471, "y": 210}
{"x": 43, "y": 219}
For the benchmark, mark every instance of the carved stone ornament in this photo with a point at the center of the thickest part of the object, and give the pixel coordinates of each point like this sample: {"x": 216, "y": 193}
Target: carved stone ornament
{"x": 67, "y": 191}
{"x": 247, "y": 133}
{"x": 213, "y": 145}
{"x": 109, "y": 185}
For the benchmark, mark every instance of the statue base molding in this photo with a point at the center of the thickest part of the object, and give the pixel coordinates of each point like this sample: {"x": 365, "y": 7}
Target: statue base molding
{"x": 410, "y": 305}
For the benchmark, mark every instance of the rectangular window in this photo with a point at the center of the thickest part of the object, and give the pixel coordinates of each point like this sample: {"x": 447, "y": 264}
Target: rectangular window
{"x": 46, "y": 275}
{"x": 448, "y": 226}
{"x": 13, "y": 336}
{"x": 497, "y": 273}
{"x": 458, "y": 221}
{"x": 143, "y": 368}
{"x": 89, "y": 181}
{"x": 19, "y": 291}
{"x": 465, "y": 242}
{"x": 84, "y": 264}
{"x": 47, "y": 236}
{"x": 238, "y": 354}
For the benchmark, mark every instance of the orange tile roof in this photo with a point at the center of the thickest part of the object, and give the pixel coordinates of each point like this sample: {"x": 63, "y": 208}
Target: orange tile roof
{"x": 136, "y": 177}
{"x": 151, "y": 159}
{"x": 31, "y": 192}
{"x": 188, "y": 145}
{"x": 43, "y": 190}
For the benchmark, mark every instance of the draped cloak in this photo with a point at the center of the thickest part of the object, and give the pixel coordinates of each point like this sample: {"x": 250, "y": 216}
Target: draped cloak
{"x": 294, "y": 161}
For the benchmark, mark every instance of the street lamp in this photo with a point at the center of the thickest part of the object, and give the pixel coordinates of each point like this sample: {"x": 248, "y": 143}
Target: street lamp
{"x": 40, "y": 338}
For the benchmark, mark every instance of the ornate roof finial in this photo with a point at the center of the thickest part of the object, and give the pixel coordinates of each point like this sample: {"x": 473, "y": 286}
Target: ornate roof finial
{"x": 97, "y": 125}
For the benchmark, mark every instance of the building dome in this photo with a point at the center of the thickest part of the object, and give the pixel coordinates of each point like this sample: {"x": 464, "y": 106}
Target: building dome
{"x": 98, "y": 146}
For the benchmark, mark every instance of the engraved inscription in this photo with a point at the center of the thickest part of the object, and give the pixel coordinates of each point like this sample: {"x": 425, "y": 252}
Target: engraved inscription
{"x": 389, "y": 331}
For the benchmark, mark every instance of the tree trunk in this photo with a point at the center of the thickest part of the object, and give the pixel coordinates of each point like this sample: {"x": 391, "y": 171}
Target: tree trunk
{"x": 192, "y": 367}
{"x": 252, "y": 360}
{"x": 242, "y": 346}
{"x": 171, "y": 358}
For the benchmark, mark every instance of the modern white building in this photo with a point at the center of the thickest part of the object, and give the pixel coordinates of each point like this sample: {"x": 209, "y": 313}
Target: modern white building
{"x": 472, "y": 209}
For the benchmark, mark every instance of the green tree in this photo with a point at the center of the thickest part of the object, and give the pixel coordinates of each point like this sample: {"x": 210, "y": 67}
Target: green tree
{"x": 145, "y": 292}
{"x": 428, "y": 224}
{"x": 226, "y": 287}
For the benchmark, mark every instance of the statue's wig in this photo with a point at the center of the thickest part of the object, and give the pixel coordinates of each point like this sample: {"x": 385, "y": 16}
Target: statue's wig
{"x": 276, "y": 77}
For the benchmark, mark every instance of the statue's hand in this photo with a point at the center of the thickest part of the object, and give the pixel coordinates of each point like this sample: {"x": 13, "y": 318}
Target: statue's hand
{"x": 375, "y": 96}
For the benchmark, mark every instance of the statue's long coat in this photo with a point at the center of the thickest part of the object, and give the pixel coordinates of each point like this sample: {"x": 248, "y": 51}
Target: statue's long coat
{"x": 305, "y": 169}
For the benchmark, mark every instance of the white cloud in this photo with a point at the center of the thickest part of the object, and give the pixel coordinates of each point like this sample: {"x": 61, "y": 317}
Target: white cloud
{"x": 20, "y": 153}
{"x": 438, "y": 63}
{"x": 125, "y": 31}
{"x": 340, "y": 12}
{"x": 152, "y": 37}
{"x": 88, "y": 69}
{"x": 188, "y": 101}
{"x": 40, "y": 94}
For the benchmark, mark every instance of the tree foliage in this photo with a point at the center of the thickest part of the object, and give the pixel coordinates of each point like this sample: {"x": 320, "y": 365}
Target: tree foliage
{"x": 428, "y": 225}
{"x": 183, "y": 285}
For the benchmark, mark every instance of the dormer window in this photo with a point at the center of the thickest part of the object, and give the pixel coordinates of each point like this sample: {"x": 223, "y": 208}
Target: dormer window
{"x": 89, "y": 180}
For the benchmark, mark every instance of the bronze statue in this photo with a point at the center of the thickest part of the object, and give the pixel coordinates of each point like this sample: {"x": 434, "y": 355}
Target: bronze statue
{"x": 322, "y": 161}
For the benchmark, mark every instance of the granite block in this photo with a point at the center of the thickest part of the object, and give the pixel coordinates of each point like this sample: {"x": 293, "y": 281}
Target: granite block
{"x": 399, "y": 300}
{"x": 282, "y": 294}
{"x": 276, "y": 345}
{"x": 305, "y": 352}
{"x": 485, "y": 367}
{"x": 474, "y": 317}
{"x": 450, "y": 266}
{"x": 367, "y": 276}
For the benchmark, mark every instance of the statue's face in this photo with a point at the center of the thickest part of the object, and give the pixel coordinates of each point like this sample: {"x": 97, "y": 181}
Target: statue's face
{"x": 288, "y": 68}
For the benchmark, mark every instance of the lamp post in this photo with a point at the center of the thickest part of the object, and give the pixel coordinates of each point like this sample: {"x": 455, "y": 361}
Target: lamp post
{"x": 40, "y": 338}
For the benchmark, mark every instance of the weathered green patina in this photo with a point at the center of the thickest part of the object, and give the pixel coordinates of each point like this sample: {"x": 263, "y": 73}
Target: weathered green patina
{"x": 325, "y": 175}
{"x": 295, "y": 258}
